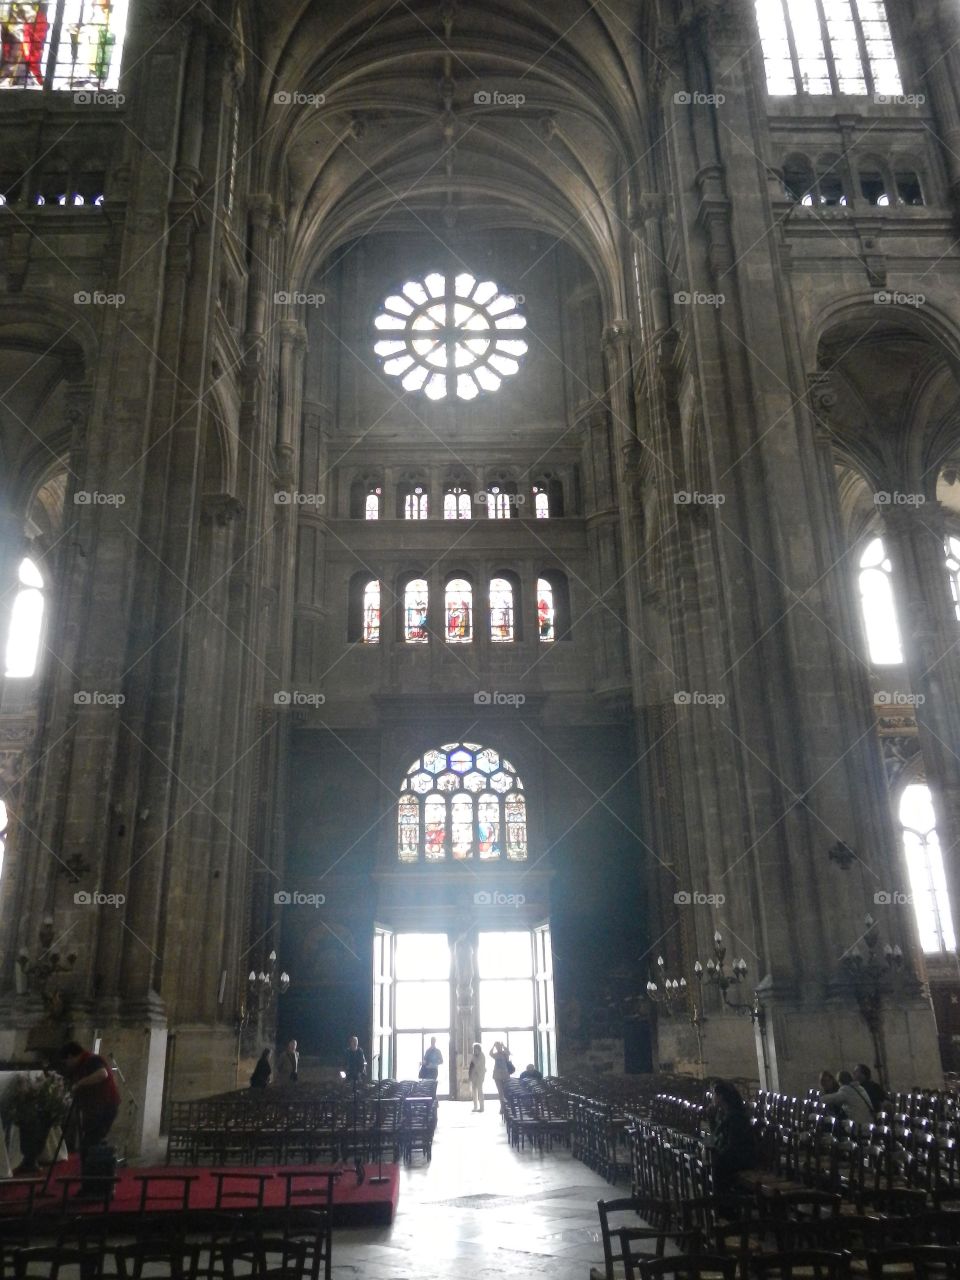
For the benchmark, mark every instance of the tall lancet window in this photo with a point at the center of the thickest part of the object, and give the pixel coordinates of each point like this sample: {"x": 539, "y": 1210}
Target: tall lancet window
{"x": 928, "y": 884}
{"x": 878, "y": 607}
{"x": 825, "y": 47}
{"x": 26, "y": 623}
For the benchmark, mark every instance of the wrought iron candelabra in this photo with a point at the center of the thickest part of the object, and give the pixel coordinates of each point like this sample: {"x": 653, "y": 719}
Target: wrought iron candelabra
{"x": 873, "y": 975}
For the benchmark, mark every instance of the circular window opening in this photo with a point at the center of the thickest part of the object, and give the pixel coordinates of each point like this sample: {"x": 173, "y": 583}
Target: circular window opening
{"x": 451, "y": 336}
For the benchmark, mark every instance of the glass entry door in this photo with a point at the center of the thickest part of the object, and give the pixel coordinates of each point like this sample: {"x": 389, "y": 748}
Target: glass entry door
{"x": 506, "y": 994}
{"x": 422, "y": 1003}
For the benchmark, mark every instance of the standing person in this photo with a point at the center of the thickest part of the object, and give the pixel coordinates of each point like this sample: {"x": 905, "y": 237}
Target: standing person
{"x": 432, "y": 1059}
{"x": 96, "y": 1097}
{"x": 874, "y": 1091}
{"x": 288, "y": 1064}
{"x": 502, "y": 1071}
{"x": 355, "y": 1064}
{"x": 261, "y": 1072}
{"x": 477, "y": 1074}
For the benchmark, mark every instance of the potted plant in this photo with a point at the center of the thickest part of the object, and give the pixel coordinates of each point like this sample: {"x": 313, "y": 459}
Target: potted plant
{"x": 35, "y": 1105}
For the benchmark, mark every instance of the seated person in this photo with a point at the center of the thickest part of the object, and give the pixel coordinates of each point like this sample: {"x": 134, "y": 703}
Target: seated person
{"x": 853, "y": 1099}
{"x": 731, "y": 1137}
{"x": 530, "y": 1075}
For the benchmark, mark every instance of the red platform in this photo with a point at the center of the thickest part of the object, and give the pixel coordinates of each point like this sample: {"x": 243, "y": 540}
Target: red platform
{"x": 353, "y": 1206}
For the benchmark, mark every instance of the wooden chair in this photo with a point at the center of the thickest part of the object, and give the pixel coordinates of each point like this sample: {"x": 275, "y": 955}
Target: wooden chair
{"x": 249, "y": 1194}
{"x": 811, "y": 1264}
{"x": 925, "y": 1262}
{"x": 308, "y": 1215}
{"x": 686, "y": 1266}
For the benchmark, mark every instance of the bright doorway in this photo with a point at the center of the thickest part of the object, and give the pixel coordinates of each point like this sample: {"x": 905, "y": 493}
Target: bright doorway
{"x": 414, "y": 999}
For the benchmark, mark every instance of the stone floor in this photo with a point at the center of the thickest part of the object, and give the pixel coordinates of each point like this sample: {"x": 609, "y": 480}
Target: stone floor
{"x": 480, "y": 1210}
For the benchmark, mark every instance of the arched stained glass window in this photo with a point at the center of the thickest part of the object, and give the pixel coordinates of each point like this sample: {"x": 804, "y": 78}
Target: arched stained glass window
{"x": 26, "y": 623}
{"x": 928, "y": 884}
{"x": 468, "y": 801}
{"x": 371, "y": 507}
{"x": 415, "y": 504}
{"x": 371, "y": 612}
{"x": 459, "y": 611}
{"x": 546, "y": 611}
{"x": 457, "y": 504}
{"x": 541, "y": 503}
{"x": 498, "y": 503}
{"x": 502, "y": 610}
{"x": 415, "y": 598}
{"x": 877, "y": 605}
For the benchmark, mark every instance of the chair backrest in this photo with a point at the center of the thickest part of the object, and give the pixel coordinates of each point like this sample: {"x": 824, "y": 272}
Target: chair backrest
{"x": 687, "y": 1266}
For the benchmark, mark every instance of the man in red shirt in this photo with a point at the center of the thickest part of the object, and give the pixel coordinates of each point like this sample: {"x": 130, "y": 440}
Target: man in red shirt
{"x": 95, "y": 1095}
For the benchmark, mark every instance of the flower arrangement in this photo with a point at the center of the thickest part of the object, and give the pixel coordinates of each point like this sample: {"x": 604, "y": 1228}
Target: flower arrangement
{"x": 37, "y": 1100}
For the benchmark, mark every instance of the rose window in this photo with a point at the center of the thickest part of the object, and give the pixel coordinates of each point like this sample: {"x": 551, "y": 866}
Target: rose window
{"x": 451, "y": 336}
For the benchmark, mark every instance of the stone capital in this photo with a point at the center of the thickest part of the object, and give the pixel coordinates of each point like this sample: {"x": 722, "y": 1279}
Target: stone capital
{"x": 220, "y": 509}
{"x": 617, "y": 335}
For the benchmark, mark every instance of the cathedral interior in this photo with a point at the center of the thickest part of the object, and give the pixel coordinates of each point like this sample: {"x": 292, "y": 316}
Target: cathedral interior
{"x": 480, "y": 536}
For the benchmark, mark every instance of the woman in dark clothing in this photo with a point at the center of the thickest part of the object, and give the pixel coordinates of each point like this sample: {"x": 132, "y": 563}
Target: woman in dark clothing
{"x": 731, "y": 1137}
{"x": 261, "y": 1072}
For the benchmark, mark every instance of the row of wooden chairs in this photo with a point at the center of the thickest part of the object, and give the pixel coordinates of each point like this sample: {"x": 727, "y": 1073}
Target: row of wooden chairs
{"x": 252, "y": 1258}
{"x": 537, "y": 1117}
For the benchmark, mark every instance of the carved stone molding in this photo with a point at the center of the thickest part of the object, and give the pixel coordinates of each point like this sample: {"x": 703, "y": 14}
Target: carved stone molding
{"x": 220, "y": 509}
{"x": 617, "y": 334}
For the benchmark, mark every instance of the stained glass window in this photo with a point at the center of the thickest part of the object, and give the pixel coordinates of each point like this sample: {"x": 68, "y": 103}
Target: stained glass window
{"x": 546, "y": 611}
{"x": 467, "y": 801}
{"x": 371, "y": 612}
{"x": 878, "y": 607}
{"x": 501, "y": 610}
{"x": 828, "y": 47}
{"x": 408, "y": 839}
{"x": 450, "y": 336}
{"x": 435, "y": 827}
{"x": 415, "y": 611}
{"x": 26, "y": 623}
{"x": 498, "y": 503}
{"x": 515, "y": 808}
{"x": 457, "y": 504}
{"x": 928, "y": 882}
{"x": 541, "y": 503}
{"x": 61, "y": 44}
{"x": 415, "y": 504}
{"x": 459, "y": 610}
{"x": 371, "y": 509}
